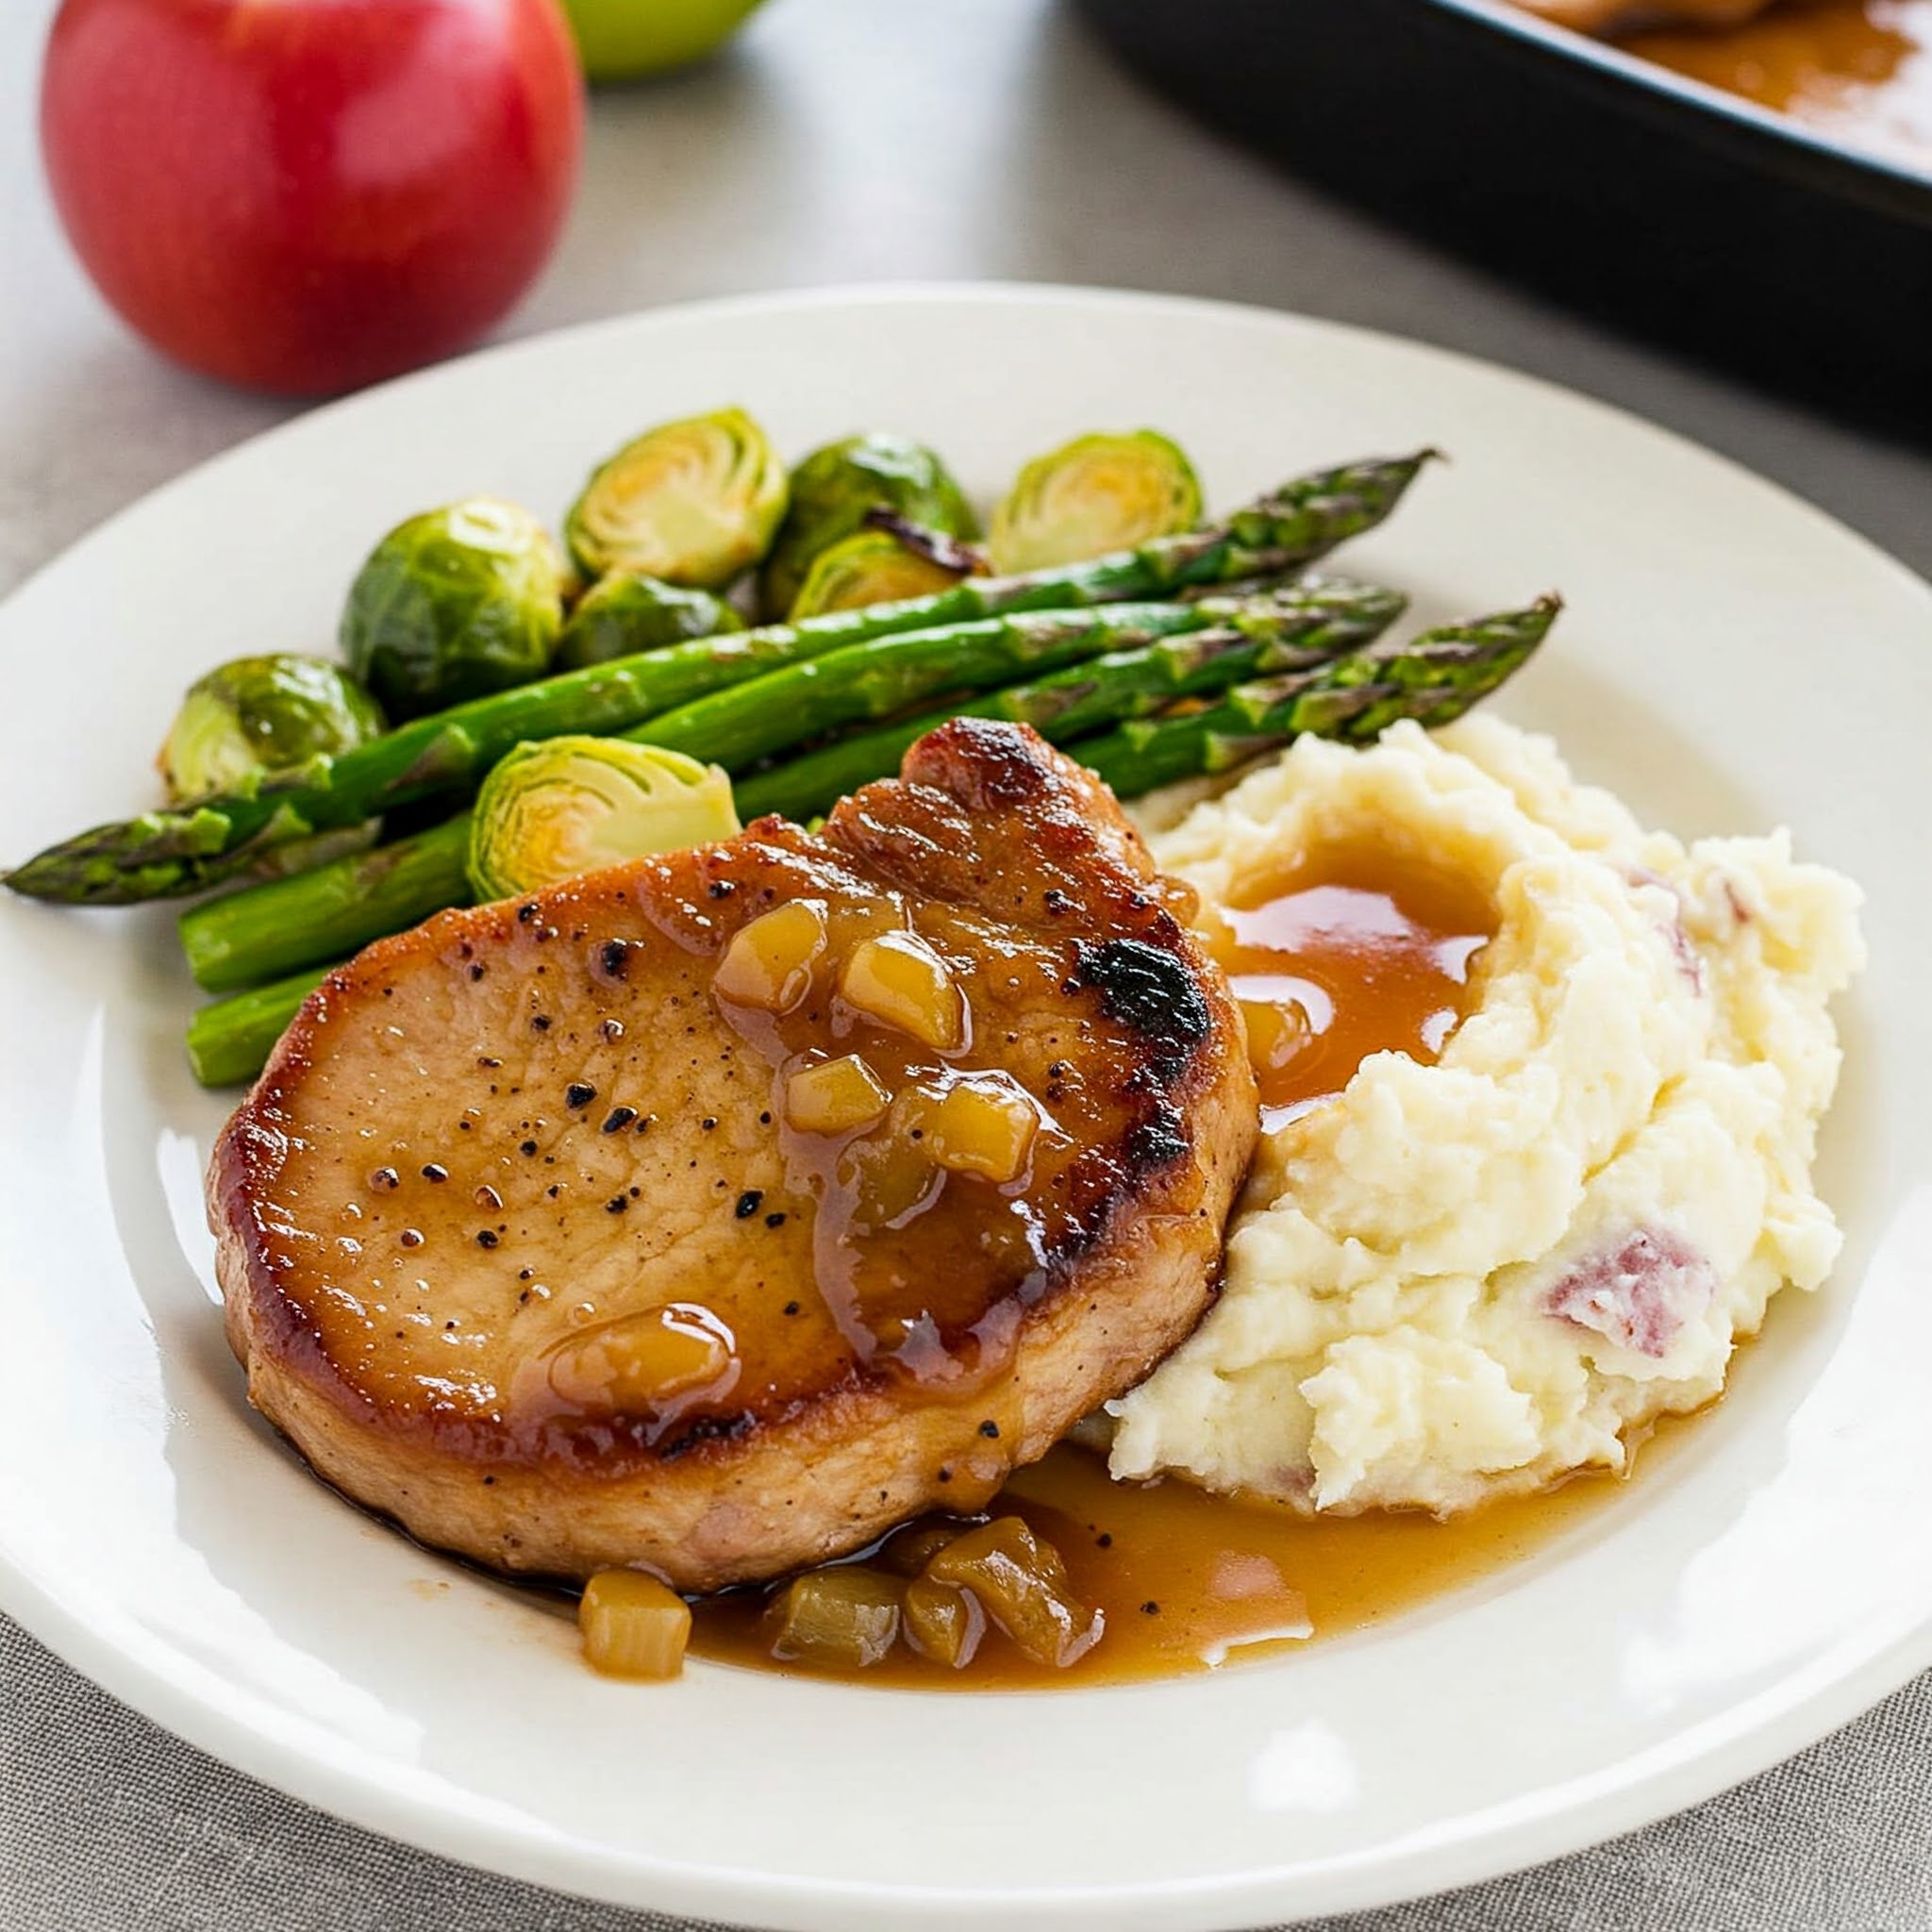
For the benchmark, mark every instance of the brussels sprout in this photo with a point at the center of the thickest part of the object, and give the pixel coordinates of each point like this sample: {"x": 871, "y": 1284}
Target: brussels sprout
{"x": 454, "y": 604}
{"x": 1097, "y": 494}
{"x": 832, "y": 490}
{"x": 870, "y": 568}
{"x": 624, "y": 613}
{"x": 693, "y": 502}
{"x": 550, "y": 811}
{"x": 263, "y": 714}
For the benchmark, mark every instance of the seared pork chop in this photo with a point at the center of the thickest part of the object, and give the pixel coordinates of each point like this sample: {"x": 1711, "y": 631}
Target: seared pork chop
{"x": 715, "y": 1212}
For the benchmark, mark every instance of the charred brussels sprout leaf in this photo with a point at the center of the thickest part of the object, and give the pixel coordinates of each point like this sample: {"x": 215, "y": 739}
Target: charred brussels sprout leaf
{"x": 263, "y": 714}
{"x": 624, "y": 613}
{"x": 693, "y": 502}
{"x": 550, "y": 811}
{"x": 832, "y": 490}
{"x": 455, "y": 604}
{"x": 870, "y": 568}
{"x": 1097, "y": 494}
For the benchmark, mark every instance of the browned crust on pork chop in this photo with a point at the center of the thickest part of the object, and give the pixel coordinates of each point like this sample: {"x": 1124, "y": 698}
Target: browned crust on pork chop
{"x": 485, "y": 1145}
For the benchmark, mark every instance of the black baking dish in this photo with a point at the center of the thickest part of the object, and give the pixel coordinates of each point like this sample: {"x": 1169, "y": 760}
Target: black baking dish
{"x": 1615, "y": 186}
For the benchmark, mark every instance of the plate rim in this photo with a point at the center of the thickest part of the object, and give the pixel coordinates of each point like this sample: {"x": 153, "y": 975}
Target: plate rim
{"x": 308, "y": 1764}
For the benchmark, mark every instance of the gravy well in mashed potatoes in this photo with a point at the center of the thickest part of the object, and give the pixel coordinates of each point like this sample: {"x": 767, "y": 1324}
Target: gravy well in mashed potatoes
{"x": 1475, "y": 1268}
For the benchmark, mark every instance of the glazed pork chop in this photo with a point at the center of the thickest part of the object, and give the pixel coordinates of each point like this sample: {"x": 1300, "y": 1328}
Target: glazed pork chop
{"x": 715, "y": 1212}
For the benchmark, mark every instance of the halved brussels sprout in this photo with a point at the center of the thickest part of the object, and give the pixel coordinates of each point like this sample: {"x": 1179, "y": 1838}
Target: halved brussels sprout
{"x": 454, "y": 604}
{"x": 253, "y": 715}
{"x": 693, "y": 502}
{"x": 564, "y": 805}
{"x": 1097, "y": 494}
{"x": 870, "y": 568}
{"x": 832, "y": 490}
{"x": 624, "y": 613}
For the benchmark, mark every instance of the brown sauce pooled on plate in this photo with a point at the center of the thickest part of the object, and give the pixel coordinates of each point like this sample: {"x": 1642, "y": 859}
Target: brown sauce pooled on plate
{"x": 1860, "y": 70}
{"x": 1188, "y": 1581}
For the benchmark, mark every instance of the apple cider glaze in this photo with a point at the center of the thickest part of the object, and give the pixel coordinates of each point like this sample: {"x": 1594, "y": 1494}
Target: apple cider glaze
{"x": 1355, "y": 954}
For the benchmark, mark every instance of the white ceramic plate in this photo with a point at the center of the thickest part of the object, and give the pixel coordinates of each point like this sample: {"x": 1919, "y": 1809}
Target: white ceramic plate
{"x": 1730, "y": 659}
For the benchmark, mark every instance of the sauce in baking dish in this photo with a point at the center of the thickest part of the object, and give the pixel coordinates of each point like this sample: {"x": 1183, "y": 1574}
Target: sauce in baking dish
{"x": 1859, "y": 70}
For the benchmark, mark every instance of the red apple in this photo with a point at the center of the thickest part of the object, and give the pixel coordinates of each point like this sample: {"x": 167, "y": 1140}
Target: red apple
{"x": 305, "y": 195}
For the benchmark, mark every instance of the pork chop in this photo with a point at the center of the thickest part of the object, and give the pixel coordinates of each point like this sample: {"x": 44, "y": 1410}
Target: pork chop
{"x": 715, "y": 1212}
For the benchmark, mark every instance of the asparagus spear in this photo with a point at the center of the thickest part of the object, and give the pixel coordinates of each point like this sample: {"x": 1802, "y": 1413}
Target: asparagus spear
{"x": 229, "y": 1040}
{"x": 272, "y": 929}
{"x": 735, "y": 728}
{"x": 163, "y": 854}
{"x": 1433, "y": 679}
{"x": 1329, "y": 617}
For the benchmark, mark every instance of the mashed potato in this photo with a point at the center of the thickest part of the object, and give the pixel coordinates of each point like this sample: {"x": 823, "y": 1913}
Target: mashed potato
{"x": 1460, "y": 1279}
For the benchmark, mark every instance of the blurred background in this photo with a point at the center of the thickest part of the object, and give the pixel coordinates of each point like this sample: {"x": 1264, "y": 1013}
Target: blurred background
{"x": 839, "y": 141}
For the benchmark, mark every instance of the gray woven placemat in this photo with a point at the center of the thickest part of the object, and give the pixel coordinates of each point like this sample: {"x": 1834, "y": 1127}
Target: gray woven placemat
{"x": 138, "y": 1832}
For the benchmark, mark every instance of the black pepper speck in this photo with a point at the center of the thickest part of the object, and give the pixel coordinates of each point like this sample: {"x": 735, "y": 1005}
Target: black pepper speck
{"x": 611, "y": 1029}
{"x": 434, "y": 1172}
{"x": 748, "y": 1203}
{"x": 618, "y": 1119}
{"x": 774, "y": 1221}
{"x": 485, "y": 1237}
{"x": 616, "y": 1205}
{"x": 579, "y": 1094}
{"x": 614, "y": 957}
{"x": 991, "y": 1430}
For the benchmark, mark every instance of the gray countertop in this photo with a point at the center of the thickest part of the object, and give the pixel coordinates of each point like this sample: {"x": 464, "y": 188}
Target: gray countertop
{"x": 848, "y": 141}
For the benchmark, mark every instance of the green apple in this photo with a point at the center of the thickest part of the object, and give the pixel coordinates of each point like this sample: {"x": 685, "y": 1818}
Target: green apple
{"x": 621, "y": 40}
